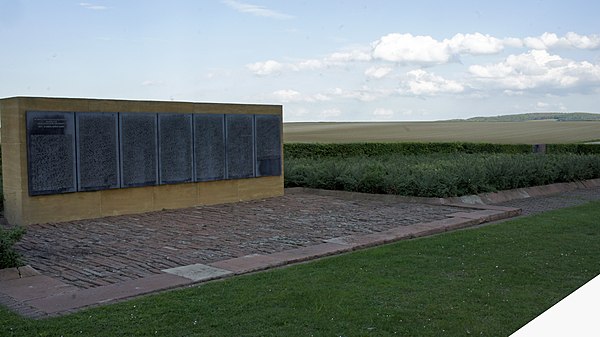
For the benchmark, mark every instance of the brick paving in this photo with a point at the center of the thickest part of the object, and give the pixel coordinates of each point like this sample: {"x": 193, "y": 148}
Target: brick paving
{"x": 94, "y": 262}
{"x": 100, "y": 252}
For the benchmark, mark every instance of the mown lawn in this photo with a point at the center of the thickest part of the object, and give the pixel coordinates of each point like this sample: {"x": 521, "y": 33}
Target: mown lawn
{"x": 487, "y": 281}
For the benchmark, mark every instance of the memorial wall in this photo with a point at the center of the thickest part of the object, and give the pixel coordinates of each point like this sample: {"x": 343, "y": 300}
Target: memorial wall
{"x": 66, "y": 159}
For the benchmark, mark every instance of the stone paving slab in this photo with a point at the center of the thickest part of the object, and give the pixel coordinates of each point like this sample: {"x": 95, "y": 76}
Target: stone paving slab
{"x": 249, "y": 263}
{"x": 198, "y": 272}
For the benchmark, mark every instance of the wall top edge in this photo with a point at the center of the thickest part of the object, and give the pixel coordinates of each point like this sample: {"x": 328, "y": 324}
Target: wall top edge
{"x": 35, "y": 100}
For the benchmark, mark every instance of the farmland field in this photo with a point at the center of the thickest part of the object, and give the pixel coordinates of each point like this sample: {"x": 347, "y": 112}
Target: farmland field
{"x": 528, "y": 132}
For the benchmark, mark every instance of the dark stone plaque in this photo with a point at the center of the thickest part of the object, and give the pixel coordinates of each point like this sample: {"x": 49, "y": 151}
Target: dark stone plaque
{"x": 175, "y": 148}
{"x": 51, "y": 152}
{"x": 139, "y": 150}
{"x": 268, "y": 145}
{"x": 97, "y": 151}
{"x": 240, "y": 146}
{"x": 209, "y": 146}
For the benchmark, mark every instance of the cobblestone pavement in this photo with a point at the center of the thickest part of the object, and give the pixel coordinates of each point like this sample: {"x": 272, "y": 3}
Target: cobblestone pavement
{"x": 561, "y": 200}
{"x": 91, "y": 253}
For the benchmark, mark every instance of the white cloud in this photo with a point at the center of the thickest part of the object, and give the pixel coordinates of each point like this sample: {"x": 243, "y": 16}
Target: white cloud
{"x": 92, "y": 6}
{"x": 544, "y": 106}
{"x": 364, "y": 94}
{"x": 406, "y": 48}
{"x": 378, "y": 72}
{"x": 421, "y": 82}
{"x": 287, "y": 95}
{"x": 153, "y": 83}
{"x": 311, "y": 64}
{"x": 383, "y": 113}
{"x": 351, "y": 55}
{"x": 474, "y": 44}
{"x": 570, "y": 40}
{"x": 256, "y": 10}
{"x": 269, "y": 67}
{"x": 537, "y": 69}
{"x": 290, "y": 95}
{"x": 424, "y": 49}
{"x": 331, "y": 113}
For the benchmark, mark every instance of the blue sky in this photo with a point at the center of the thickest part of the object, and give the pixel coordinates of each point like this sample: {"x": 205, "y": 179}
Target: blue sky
{"x": 322, "y": 60}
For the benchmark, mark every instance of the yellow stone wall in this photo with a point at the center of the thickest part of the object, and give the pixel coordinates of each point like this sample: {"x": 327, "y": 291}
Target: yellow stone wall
{"x": 22, "y": 209}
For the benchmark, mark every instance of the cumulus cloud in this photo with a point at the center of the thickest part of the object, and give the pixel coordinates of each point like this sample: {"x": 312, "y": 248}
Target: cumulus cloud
{"x": 378, "y": 72}
{"x": 570, "y": 40}
{"x": 424, "y": 49}
{"x": 331, "y": 113}
{"x": 349, "y": 56}
{"x": 406, "y": 48}
{"x": 537, "y": 69}
{"x": 421, "y": 82}
{"x": 474, "y": 44}
{"x": 255, "y": 10}
{"x": 290, "y": 95}
{"x": 383, "y": 113}
{"x": 269, "y": 67}
{"x": 153, "y": 83}
{"x": 91, "y": 6}
{"x": 364, "y": 94}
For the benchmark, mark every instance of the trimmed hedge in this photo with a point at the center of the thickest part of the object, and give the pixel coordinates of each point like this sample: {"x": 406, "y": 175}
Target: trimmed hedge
{"x": 345, "y": 150}
{"x": 573, "y": 148}
{"x": 439, "y": 175}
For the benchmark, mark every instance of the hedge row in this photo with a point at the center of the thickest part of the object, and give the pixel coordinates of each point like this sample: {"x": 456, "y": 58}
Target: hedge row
{"x": 345, "y": 150}
{"x": 574, "y": 148}
{"x": 439, "y": 175}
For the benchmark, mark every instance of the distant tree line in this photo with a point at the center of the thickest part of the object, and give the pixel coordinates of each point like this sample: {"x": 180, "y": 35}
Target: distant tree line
{"x": 558, "y": 116}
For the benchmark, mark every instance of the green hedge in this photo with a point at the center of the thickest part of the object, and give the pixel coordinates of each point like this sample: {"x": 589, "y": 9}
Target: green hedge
{"x": 573, "y": 148}
{"x": 439, "y": 175}
{"x": 318, "y": 150}
{"x": 345, "y": 150}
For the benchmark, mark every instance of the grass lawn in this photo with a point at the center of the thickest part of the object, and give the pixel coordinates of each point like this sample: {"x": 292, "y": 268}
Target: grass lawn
{"x": 485, "y": 282}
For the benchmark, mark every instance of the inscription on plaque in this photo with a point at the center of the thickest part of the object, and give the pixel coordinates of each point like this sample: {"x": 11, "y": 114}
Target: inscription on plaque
{"x": 175, "y": 148}
{"x": 268, "y": 145}
{"x": 139, "y": 157}
{"x": 51, "y": 152}
{"x": 209, "y": 146}
{"x": 97, "y": 151}
{"x": 240, "y": 146}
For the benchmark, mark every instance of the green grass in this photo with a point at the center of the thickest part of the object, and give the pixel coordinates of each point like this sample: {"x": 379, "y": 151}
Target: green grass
{"x": 528, "y": 132}
{"x": 488, "y": 281}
